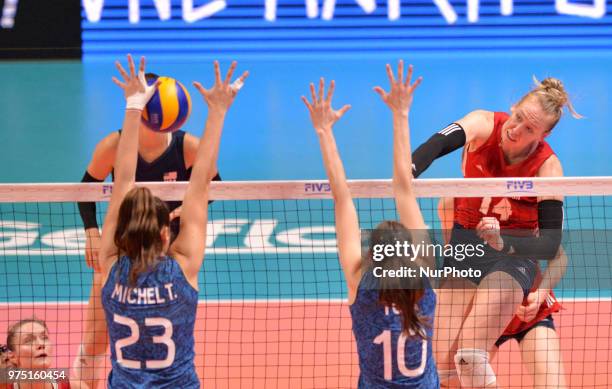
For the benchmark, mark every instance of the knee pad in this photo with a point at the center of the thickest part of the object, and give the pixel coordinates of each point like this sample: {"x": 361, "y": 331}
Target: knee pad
{"x": 473, "y": 368}
{"x": 88, "y": 367}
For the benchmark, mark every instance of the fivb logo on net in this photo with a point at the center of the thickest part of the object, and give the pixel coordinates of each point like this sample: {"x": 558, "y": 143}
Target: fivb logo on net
{"x": 317, "y": 187}
{"x": 192, "y": 13}
{"x": 520, "y": 186}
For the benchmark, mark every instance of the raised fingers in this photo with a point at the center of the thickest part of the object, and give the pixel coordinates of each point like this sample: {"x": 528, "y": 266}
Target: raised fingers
{"x": 119, "y": 83}
{"x": 330, "y": 91}
{"x": 200, "y": 88}
{"x": 243, "y": 76}
{"x": 390, "y": 74}
{"x": 321, "y": 88}
{"x": 313, "y": 93}
{"x": 409, "y": 75}
{"x": 217, "y": 73}
{"x": 121, "y": 70}
{"x": 308, "y": 105}
{"x": 343, "y": 110}
{"x": 381, "y": 92}
{"x": 131, "y": 65}
{"x": 400, "y": 71}
{"x": 416, "y": 83}
{"x": 230, "y": 73}
{"x": 141, "y": 66}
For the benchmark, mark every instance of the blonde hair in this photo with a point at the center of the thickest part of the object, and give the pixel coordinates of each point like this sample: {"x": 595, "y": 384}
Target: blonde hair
{"x": 14, "y": 330}
{"x": 552, "y": 96}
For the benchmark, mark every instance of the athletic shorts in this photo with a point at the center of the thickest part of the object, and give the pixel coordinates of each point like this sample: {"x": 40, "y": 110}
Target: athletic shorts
{"x": 523, "y": 270}
{"x": 547, "y": 322}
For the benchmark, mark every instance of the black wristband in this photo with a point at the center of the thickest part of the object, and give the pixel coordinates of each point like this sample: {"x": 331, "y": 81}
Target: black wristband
{"x": 438, "y": 145}
{"x": 88, "y": 209}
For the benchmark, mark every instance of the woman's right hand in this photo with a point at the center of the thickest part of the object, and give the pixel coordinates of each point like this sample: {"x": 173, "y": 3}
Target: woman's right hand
{"x": 137, "y": 92}
{"x": 399, "y": 98}
{"x": 221, "y": 96}
{"x": 322, "y": 114}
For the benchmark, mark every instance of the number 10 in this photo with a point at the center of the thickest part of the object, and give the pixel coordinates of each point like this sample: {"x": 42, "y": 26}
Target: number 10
{"x": 385, "y": 338}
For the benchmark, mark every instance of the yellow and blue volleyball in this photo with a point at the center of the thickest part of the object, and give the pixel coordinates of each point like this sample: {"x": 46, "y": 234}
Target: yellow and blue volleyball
{"x": 169, "y": 106}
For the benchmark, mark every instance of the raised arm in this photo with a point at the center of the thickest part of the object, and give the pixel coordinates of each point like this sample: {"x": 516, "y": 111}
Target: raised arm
{"x": 137, "y": 94}
{"x": 399, "y": 100}
{"x": 188, "y": 248}
{"x": 472, "y": 129}
{"x": 348, "y": 236}
{"x": 190, "y": 150}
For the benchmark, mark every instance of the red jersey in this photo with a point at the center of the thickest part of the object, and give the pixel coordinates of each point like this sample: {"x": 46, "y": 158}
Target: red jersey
{"x": 512, "y": 212}
{"x": 489, "y": 161}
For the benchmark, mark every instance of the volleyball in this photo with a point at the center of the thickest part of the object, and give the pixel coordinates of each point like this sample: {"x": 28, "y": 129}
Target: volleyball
{"x": 169, "y": 107}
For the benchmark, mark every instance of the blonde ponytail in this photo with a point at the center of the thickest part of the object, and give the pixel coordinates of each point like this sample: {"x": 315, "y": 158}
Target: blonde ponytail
{"x": 553, "y": 97}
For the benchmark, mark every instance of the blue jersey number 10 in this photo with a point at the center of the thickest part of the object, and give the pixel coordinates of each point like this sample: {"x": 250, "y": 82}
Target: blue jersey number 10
{"x": 384, "y": 338}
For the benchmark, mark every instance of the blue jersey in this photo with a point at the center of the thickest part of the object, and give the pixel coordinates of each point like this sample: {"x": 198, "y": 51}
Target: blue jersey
{"x": 151, "y": 327}
{"x": 387, "y": 357}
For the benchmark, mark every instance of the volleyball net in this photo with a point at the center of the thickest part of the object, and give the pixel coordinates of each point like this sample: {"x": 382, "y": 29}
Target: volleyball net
{"x": 273, "y": 309}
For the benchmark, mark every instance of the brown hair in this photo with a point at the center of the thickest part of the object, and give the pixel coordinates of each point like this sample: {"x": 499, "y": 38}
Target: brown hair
{"x": 552, "y": 96}
{"x": 138, "y": 235}
{"x": 401, "y": 293}
{"x": 14, "y": 330}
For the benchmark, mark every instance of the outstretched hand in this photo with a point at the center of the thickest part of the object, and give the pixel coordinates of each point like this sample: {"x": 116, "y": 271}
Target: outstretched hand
{"x": 137, "y": 92}
{"x": 399, "y": 98}
{"x": 221, "y": 96}
{"x": 322, "y": 114}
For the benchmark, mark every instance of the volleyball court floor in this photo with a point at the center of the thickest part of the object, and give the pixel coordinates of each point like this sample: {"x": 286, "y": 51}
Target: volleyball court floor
{"x": 290, "y": 337}
{"x": 310, "y": 344}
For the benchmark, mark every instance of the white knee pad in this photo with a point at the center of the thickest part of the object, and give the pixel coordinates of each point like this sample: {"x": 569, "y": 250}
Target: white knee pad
{"x": 88, "y": 367}
{"x": 473, "y": 368}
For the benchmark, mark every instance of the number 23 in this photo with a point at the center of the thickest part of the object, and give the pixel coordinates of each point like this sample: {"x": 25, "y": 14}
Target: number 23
{"x": 165, "y": 338}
